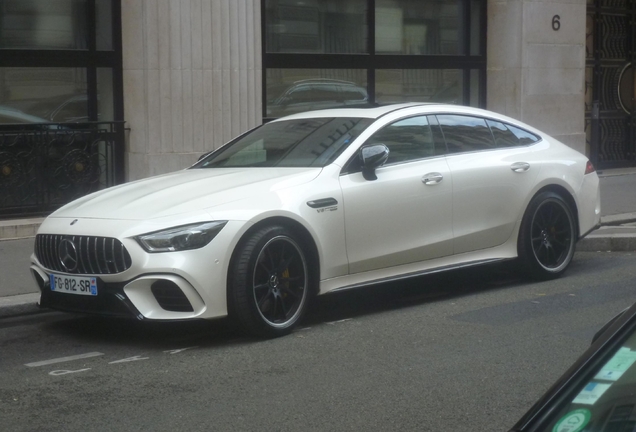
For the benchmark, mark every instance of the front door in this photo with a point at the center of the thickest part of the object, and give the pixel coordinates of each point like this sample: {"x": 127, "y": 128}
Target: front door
{"x": 404, "y": 216}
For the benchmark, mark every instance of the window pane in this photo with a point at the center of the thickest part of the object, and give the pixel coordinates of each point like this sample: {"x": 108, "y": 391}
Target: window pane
{"x": 105, "y": 94}
{"x": 43, "y": 24}
{"x": 525, "y": 137}
{"x": 296, "y": 90}
{"x": 419, "y": 85}
{"x": 104, "y": 24}
{"x": 474, "y": 87}
{"x": 36, "y": 95}
{"x": 418, "y": 27}
{"x": 316, "y": 26}
{"x": 475, "y": 27}
{"x": 465, "y": 134}
{"x": 407, "y": 139}
{"x": 313, "y": 142}
{"x": 503, "y": 136}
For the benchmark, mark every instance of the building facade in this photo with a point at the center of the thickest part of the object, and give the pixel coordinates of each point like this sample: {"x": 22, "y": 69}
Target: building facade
{"x": 133, "y": 88}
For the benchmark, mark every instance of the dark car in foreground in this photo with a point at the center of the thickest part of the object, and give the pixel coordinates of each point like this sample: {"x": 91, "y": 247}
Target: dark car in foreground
{"x": 598, "y": 392}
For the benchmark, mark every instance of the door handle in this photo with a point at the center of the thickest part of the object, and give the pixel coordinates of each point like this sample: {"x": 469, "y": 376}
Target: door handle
{"x": 432, "y": 178}
{"x": 520, "y": 167}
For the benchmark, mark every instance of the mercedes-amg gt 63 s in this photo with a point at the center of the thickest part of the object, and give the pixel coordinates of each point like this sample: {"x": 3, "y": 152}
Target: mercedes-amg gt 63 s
{"x": 315, "y": 203}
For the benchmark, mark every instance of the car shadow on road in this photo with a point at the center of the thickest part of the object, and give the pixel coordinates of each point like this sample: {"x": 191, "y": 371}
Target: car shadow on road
{"x": 412, "y": 292}
{"x": 337, "y": 306}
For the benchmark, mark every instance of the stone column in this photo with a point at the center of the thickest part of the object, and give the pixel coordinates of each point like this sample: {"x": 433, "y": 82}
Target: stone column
{"x": 192, "y": 79}
{"x": 536, "y": 65}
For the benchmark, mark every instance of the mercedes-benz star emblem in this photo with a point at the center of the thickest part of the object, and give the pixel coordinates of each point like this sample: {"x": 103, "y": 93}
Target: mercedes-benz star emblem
{"x": 68, "y": 255}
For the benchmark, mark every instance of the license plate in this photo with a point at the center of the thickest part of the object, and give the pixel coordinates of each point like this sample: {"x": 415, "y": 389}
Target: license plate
{"x": 74, "y": 284}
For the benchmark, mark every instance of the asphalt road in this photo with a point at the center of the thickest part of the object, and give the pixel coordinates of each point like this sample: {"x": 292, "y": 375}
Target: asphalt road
{"x": 468, "y": 351}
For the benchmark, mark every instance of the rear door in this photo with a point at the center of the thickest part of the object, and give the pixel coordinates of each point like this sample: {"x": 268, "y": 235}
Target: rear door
{"x": 493, "y": 172}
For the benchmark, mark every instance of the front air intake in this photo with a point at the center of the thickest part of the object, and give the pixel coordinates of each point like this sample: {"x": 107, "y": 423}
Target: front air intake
{"x": 170, "y": 297}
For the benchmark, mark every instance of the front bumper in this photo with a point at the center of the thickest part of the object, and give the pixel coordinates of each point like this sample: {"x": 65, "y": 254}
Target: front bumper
{"x": 157, "y": 286}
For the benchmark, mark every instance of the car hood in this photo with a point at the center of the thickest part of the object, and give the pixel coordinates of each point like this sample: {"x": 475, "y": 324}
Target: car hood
{"x": 184, "y": 191}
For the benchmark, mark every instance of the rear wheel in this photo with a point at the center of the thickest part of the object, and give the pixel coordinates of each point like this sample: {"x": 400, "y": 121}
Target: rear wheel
{"x": 269, "y": 284}
{"x": 547, "y": 237}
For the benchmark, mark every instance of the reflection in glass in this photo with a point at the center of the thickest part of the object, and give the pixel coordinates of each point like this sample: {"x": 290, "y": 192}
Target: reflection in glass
{"x": 418, "y": 27}
{"x": 105, "y": 111}
{"x": 419, "y": 85}
{"x": 316, "y": 26}
{"x": 104, "y": 25}
{"x": 40, "y": 95}
{"x": 407, "y": 140}
{"x": 296, "y": 90}
{"x": 43, "y": 24}
{"x": 474, "y": 87}
{"x": 465, "y": 134}
{"x": 309, "y": 142}
{"x": 475, "y": 27}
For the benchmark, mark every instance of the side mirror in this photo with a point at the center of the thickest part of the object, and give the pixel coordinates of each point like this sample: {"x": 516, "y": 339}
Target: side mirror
{"x": 204, "y": 155}
{"x": 373, "y": 157}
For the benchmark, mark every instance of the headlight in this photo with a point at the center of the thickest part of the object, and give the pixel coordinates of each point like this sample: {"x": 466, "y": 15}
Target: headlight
{"x": 181, "y": 238}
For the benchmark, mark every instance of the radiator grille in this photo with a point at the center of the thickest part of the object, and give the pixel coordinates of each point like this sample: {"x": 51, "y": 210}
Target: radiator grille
{"x": 82, "y": 254}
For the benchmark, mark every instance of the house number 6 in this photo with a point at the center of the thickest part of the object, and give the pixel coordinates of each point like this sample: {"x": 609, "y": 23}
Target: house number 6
{"x": 556, "y": 23}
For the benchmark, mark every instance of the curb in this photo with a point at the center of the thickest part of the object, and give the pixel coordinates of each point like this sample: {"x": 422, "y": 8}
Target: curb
{"x": 607, "y": 243}
{"x": 20, "y": 305}
{"x": 19, "y": 229}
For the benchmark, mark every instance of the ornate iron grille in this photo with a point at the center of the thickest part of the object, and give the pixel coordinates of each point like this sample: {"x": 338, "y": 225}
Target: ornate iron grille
{"x": 82, "y": 254}
{"x": 610, "y": 117}
{"x": 45, "y": 166}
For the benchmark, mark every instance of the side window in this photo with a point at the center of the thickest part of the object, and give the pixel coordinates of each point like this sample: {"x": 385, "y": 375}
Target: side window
{"x": 407, "y": 139}
{"x": 525, "y": 137}
{"x": 465, "y": 134}
{"x": 510, "y": 136}
{"x": 503, "y": 136}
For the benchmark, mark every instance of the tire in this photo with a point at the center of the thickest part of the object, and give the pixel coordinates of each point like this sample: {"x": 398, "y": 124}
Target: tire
{"x": 547, "y": 237}
{"x": 269, "y": 283}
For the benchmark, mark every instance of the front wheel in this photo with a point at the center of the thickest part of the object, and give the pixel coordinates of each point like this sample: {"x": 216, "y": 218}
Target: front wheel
{"x": 547, "y": 236}
{"x": 269, "y": 282}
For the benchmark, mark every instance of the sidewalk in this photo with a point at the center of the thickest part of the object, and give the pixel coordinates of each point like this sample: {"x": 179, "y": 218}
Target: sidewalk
{"x": 19, "y": 294}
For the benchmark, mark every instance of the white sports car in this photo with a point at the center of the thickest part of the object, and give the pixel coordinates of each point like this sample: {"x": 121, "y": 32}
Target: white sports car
{"x": 315, "y": 203}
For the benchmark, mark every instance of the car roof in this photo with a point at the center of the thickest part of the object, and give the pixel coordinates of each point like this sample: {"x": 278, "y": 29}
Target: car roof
{"x": 367, "y": 112}
{"x": 428, "y": 107}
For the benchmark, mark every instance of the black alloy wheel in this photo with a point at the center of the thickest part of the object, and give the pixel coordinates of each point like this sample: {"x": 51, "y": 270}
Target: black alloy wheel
{"x": 270, "y": 283}
{"x": 548, "y": 236}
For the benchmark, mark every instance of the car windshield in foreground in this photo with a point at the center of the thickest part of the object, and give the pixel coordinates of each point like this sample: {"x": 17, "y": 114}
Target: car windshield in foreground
{"x": 310, "y": 142}
{"x": 606, "y": 400}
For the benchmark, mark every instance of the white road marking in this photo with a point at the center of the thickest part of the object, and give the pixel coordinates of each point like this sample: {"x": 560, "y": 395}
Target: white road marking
{"x": 64, "y": 359}
{"x": 175, "y": 351}
{"x": 64, "y": 372}
{"x": 130, "y": 359}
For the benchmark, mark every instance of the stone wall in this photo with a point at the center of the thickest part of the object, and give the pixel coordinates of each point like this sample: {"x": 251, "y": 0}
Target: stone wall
{"x": 192, "y": 79}
{"x": 535, "y": 73}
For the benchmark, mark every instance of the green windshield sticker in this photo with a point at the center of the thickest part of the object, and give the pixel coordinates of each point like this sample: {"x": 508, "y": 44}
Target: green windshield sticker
{"x": 618, "y": 365}
{"x": 573, "y": 421}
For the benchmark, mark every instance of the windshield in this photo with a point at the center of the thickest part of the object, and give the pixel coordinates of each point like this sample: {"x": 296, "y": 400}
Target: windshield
{"x": 312, "y": 142}
{"x": 607, "y": 400}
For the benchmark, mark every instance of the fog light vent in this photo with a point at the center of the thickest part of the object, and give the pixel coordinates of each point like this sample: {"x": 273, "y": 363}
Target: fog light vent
{"x": 170, "y": 297}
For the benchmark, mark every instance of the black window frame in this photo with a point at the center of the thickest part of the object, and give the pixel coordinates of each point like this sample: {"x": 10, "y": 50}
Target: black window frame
{"x": 371, "y": 61}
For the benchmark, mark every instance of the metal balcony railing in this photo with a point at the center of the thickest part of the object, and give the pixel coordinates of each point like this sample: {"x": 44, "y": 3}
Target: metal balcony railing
{"x": 44, "y": 166}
